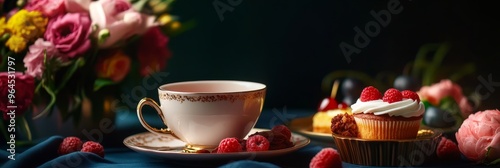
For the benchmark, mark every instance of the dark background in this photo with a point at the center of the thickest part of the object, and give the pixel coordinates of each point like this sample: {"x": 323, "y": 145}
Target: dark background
{"x": 292, "y": 45}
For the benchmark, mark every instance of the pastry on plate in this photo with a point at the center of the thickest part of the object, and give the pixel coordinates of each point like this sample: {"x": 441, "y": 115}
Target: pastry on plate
{"x": 328, "y": 109}
{"x": 322, "y": 120}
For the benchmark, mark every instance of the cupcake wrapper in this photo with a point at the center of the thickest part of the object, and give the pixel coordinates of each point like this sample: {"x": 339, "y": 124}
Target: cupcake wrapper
{"x": 380, "y": 129}
{"x": 393, "y": 153}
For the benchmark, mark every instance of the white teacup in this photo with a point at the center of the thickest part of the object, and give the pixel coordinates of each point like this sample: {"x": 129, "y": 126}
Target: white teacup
{"x": 202, "y": 113}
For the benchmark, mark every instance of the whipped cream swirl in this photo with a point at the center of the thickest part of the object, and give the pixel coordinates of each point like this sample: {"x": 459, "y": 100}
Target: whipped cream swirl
{"x": 405, "y": 108}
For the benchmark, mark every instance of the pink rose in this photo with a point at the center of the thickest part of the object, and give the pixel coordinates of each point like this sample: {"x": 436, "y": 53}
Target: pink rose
{"x": 49, "y": 8}
{"x": 478, "y": 133}
{"x": 33, "y": 61}
{"x": 77, "y": 6}
{"x": 434, "y": 93}
{"x": 23, "y": 87}
{"x": 153, "y": 52}
{"x": 70, "y": 33}
{"x": 119, "y": 19}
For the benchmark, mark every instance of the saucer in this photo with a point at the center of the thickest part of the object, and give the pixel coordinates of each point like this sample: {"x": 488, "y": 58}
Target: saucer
{"x": 168, "y": 147}
{"x": 304, "y": 127}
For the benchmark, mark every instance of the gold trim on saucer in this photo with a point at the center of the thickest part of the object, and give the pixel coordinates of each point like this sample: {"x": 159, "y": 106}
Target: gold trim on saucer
{"x": 196, "y": 148}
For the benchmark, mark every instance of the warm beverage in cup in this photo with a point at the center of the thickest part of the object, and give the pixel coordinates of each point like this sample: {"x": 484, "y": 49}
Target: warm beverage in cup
{"x": 202, "y": 113}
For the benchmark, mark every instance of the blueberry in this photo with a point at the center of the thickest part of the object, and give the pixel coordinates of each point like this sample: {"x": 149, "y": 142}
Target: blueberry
{"x": 438, "y": 118}
{"x": 404, "y": 82}
{"x": 351, "y": 87}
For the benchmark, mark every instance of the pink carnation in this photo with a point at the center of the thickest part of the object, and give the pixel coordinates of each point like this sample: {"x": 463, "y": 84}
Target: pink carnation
{"x": 33, "y": 61}
{"x": 70, "y": 33}
{"x": 478, "y": 133}
{"x": 434, "y": 93}
{"x": 49, "y": 8}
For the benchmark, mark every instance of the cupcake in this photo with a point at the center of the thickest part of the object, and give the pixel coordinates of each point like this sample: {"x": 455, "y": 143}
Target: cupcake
{"x": 396, "y": 115}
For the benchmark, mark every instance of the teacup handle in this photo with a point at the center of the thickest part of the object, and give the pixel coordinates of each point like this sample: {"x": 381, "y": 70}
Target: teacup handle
{"x": 152, "y": 103}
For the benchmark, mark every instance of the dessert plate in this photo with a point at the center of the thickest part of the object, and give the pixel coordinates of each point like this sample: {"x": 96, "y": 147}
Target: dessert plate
{"x": 171, "y": 148}
{"x": 304, "y": 127}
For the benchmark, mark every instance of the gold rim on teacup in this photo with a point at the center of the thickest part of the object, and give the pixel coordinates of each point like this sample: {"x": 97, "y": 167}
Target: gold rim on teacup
{"x": 391, "y": 152}
{"x": 234, "y": 105}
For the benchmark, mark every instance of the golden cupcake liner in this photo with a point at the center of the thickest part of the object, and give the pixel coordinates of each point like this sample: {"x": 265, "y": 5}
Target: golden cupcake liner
{"x": 379, "y": 129}
{"x": 400, "y": 153}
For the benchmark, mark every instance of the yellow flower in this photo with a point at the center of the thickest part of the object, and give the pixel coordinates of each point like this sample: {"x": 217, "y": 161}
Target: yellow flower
{"x": 16, "y": 43}
{"x": 2, "y": 26}
{"x": 30, "y": 25}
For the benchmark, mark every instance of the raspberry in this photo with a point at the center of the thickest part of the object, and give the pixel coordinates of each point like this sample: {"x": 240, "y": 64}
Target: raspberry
{"x": 447, "y": 150}
{"x": 327, "y": 157}
{"x": 215, "y": 150}
{"x": 228, "y": 145}
{"x": 257, "y": 143}
{"x": 243, "y": 143}
{"x": 410, "y": 95}
{"x": 276, "y": 139}
{"x": 370, "y": 93}
{"x": 69, "y": 144}
{"x": 93, "y": 147}
{"x": 283, "y": 130}
{"x": 392, "y": 95}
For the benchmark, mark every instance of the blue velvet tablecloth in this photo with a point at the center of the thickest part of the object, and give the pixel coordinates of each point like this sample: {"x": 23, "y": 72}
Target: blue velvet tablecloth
{"x": 43, "y": 154}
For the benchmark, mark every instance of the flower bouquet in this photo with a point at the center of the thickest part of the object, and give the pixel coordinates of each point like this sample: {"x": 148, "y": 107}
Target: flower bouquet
{"x": 57, "y": 54}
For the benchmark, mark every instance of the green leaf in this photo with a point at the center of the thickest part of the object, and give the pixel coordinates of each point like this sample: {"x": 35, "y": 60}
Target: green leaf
{"x": 449, "y": 104}
{"x": 77, "y": 64}
{"x": 462, "y": 71}
{"x": 99, "y": 83}
{"x": 62, "y": 105}
{"x": 487, "y": 154}
{"x": 138, "y": 5}
{"x": 25, "y": 128}
{"x": 51, "y": 103}
{"x": 47, "y": 74}
{"x": 420, "y": 62}
{"x": 430, "y": 73}
{"x": 426, "y": 103}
